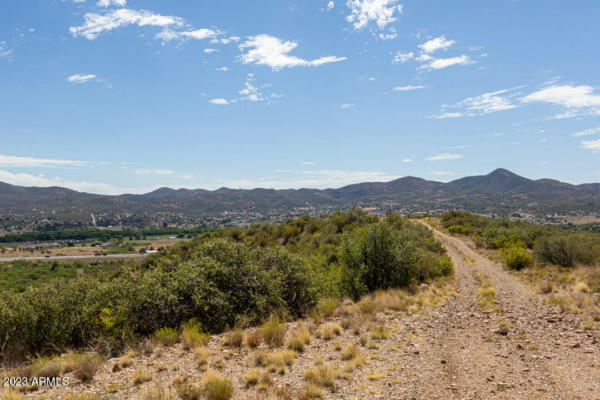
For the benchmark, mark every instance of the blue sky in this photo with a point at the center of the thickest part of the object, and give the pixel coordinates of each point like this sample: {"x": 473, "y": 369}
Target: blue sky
{"x": 114, "y": 96}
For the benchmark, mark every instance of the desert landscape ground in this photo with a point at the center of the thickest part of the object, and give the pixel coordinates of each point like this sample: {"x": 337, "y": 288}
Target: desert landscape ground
{"x": 483, "y": 333}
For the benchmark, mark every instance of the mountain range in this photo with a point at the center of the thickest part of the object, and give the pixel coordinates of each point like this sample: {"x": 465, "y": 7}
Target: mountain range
{"x": 500, "y": 191}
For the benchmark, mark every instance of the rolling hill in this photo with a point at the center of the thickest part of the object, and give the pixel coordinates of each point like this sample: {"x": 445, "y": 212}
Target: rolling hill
{"x": 499, "y": 191}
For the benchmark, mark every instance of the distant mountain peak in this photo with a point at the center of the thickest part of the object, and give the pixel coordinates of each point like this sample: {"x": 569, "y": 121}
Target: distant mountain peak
{"x": 503, "y": 172}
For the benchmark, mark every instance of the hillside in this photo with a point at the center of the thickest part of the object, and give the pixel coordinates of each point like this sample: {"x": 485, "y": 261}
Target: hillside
{"x": 500, "y": 191}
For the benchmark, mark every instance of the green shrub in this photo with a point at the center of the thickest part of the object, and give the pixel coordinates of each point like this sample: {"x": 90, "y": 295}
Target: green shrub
{"x": 382, "y": 256}
{"x": 166, "y": 336}
{"x": 458, "y": 229}
{"x": 327, "y": 306}
{"x": 516, "y": 258}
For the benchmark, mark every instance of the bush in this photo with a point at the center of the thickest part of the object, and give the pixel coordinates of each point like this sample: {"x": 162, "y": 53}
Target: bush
{"x": 327, "y": 306}
{"x": 516, "y": 258}
{"x": 217, "y": 387}
{"x": 376, "y": 258}
{"x": 192, "y": 335}
{"x": 85, "y": 366}
{"x": 166, "y": 336}
{"x": 458, "y": 229}
{"x": 273, "y": 331}
{"x": 565, "y": 250}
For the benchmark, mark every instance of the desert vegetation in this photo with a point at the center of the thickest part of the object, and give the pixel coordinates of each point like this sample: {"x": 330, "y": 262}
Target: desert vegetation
{"x": 223, "y": 279}
{"x": 559, "y": 262}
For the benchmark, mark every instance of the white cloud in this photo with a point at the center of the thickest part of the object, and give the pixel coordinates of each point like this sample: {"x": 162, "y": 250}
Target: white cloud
{"x": 346, "y": 106}
{"x": 441, "y": 63}
{"x": 23, "y": 179}
{"x": 433, "y": 45}
{"x": 250, "y": 92}
{"x": 388, "y": 36}
{"x": 308, "y": 163}
{"x": 4, "y": 52}
{"x": 166, "y": 35}
{"x": 577, "y": 100}
{"x": 447, "y": 115}
{"x": 380, "y": 11}
{"x": 330, "y": 5}
{"x": 407, "y": 88}
{"x": 400, "y": 57}
{"x": 161, "y": 172}
{"x": 81, "y": 78}
{"x": 108, "y": 3}
{"x": 311, "y": 179}
{"x": 273, "y": 52}
{"x": 220, "y": 102}
{"x": 95, "y": 24}
{"x": 209, "y": 51}
{"x": 223, "y": 69}
{"x": 593, "y": 145}
{"x": 445, "y": 156}
{"x": 586, "y": 132}
{"x": 486, "y": 103}
{"x": 29, "y": 162}
{"x": 407, "y": 160}
{"x": 226, "y": 40}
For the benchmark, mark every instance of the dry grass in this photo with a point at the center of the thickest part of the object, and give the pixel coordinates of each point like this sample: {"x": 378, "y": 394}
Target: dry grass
{"x": 252, "y": 377}
{"x": 125, "y": 362}
{"x": 328, "y": 330}
{"x": 82, "y": 396}
{"x": 48, "y": 367}
{"x": 157, "y": 393}
{"x": 191, "y": 337}
{"x": 324, "y": 375}
{"x": 312, "y": 391}
{"x": 299, "y": 339}
{"x": 84, "y": 366}
{"x": 273, "y": 331}
{"x": 201, "y": 356}
{"x": 356, "y": 362}
{"x": 486, "y": 296}
{"x": 278, "y": 360}
{"x": 350, "y": 352}
{"x": 140, "y": 376}
{"x": 253, "y": 338}
{"x": 217, "y": 387}
{"x": 9, "y": 394}
{"x": 367, "y": 306}
{"x": 189, "y": 391}
{"x": 379, "y": 332}
{"x": 234, "y": 338}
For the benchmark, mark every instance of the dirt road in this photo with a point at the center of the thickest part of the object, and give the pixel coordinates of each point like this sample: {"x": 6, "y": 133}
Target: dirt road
{"x": 544, "y": 354}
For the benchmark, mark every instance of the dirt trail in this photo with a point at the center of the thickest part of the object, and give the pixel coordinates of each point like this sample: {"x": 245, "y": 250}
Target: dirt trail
{"x": 544, "y": 355}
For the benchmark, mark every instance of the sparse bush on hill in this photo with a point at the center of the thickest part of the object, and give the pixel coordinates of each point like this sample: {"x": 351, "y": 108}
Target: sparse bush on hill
{"x": 516, "y": 257}
{"x": 550, "y": 244}
{"x": 220, "y": 280}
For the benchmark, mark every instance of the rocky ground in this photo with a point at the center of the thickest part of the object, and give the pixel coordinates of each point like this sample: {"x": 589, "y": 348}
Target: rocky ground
{"x": 443, "y": 346}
